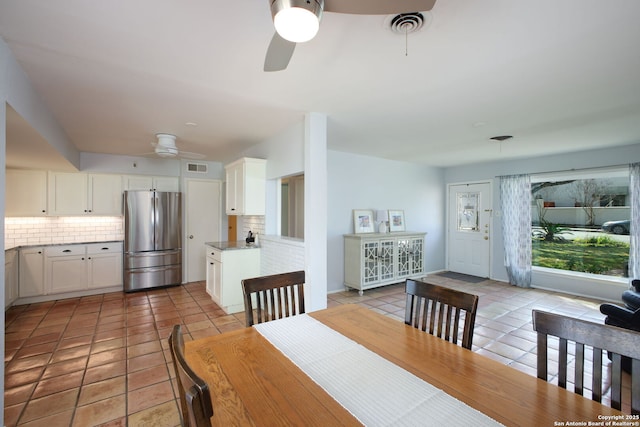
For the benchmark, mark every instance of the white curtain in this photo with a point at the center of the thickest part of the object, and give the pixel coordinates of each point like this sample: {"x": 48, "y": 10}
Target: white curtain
{"x": 515, "y": 196}
{"x": 634, "y": 250}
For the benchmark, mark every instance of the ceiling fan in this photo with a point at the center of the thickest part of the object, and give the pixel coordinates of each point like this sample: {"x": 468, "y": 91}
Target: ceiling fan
{"x": 166, "y": 147}
{"x": 298, "y": 21}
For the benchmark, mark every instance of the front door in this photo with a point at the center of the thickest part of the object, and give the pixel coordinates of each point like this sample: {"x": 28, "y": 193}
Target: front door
{"x": 203, "y": 222}
{"x": 469, "y": 233}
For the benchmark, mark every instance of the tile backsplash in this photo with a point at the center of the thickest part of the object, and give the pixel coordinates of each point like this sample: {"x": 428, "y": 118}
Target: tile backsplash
{"x": 55, "y": 230}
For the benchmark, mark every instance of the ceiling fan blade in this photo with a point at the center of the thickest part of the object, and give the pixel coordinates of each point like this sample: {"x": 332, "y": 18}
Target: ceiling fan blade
{"x": 278, "y": 54}
{"x": 377, "y": 7}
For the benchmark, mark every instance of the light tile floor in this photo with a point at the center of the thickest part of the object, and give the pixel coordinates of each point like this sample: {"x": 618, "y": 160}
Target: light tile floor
{"x": 103, "y": 360}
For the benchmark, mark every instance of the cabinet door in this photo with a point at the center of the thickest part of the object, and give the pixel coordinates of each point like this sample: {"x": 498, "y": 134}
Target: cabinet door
{"x": 67, "y": 193}
{"x": 66, "y": 273}
{"x": 151, "y": 183}
{"x": 235, "y": 183}
{"x": 31, "y": 272}
{"x": 26, "y": 193}
{"x": 370, "y": 262}
{"x": 105, "y": 195}
{"x": 10, "y": 277}
{"x": 386, "y": 262}
{"x": 166, "y": 183}
{"x": 138, "y": 182}
{"x": 417, "y": 256}
{"x": 214, "y": 279}
{"x": 104, "y": 270}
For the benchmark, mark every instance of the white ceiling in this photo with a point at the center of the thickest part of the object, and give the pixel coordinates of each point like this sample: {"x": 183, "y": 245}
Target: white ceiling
{"x": 559, "y": 76}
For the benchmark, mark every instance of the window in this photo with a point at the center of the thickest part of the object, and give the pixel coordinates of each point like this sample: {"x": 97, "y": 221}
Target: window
{"x": 580, "y": 221}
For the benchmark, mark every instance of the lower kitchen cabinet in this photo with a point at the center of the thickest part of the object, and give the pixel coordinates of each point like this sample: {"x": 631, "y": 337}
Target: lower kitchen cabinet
{"x": 225, "y": 271}
{"x": 10, "y": 277}
{"x": 31, "y": 272}
{"x": 59, "y": 269}
{"x": 65, "y": 268}
{"x": 104, "y": 265}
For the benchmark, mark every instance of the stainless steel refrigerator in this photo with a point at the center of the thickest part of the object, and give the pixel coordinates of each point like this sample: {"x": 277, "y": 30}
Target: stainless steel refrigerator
{"x": 153, "y": 240}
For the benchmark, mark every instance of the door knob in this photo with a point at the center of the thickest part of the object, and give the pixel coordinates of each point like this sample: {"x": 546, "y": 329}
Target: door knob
{"x": 191, "y": 236}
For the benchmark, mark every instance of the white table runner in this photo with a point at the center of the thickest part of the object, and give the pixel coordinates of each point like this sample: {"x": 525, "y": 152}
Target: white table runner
{"x": 376, "y": 391}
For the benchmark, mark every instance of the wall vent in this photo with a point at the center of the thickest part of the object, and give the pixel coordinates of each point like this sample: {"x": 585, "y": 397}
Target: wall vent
{"x": 197, "y": 167}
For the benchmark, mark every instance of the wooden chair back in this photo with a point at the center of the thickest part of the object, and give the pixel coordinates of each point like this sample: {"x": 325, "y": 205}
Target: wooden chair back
{"x": 273, "y": 297}
{"x": 439, "y": 309}
{"x": 618, "y": 342}
{"x": 195, "y": 398}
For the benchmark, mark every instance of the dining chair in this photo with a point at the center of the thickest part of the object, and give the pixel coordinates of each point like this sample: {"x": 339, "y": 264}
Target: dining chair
{"x": 275, "y": 296}
{"x": 195, "y": 398}
{"x": 440, "y": 309}
{"x": 617, "y": 341}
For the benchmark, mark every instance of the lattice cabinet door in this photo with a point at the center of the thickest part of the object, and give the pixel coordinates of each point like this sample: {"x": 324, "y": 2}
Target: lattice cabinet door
{"x": 370, "y": 265}
{"x": 405, "y": 257}
{"x": 416, "y": 255}
{"x": 386, "y": 265}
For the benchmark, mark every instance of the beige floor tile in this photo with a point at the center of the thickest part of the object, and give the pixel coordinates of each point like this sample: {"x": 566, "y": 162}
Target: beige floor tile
{"x": 102, "y": 390}
{"x": 50, "y": 405}
{"x": 165, "y": 414}
{"x": 59, "y": 419}
{"x": 146, "y": 361}
{"x": 107, "y": 356}
{"x": 106, "y": 371}
{"x": 100, "y": 412}
{"x": 20, "y": 394}
{"x": 144, "y": 348}
{"x": 66, "y": 367}
{"x": 149, "y": 396}
{"x": 58, "y": 384}
{"x": 147, "y": 377}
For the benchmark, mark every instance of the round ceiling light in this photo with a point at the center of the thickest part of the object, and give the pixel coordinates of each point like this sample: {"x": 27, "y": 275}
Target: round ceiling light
{"x": 297, "y": 20}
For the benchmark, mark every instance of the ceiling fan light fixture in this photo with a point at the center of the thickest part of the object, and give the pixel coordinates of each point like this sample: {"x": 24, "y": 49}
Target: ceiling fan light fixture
{"x": 166, "y": 146}
{"x": 297, "y": 20}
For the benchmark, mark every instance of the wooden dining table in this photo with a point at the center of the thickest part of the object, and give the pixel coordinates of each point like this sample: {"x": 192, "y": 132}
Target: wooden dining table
{"x": 253, "y": 383}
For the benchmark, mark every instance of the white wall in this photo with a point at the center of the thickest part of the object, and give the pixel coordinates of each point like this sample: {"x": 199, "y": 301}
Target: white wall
{"x": 363, "y": 182}
{"x": 560, "y": 162}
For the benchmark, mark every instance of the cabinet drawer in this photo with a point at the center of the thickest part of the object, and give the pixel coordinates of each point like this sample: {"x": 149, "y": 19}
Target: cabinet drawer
{"x": 65, "y": 250}
{"x": 214, "y": 254}
{"x": 104, "y": 248}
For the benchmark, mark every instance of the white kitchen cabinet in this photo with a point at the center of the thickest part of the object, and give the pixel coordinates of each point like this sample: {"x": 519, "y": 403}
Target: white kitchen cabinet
{"x": 82, "y": 194}
{"x": 225, "y": 271}
{"x": 214, "y": 275}
{"x": 31, "y": 272}
{"x": 246, "y": 180}
{"x": 65, "y": 269}
{"x": 104, "y": 265}
{"x": 71, "y": 268}
{"x": 378, "y": 259}
{"x": 104, "y": 195}
{"x": 25, "y": 193}
{"x": 151, "y": 183}
{"x": 10, "y": 277}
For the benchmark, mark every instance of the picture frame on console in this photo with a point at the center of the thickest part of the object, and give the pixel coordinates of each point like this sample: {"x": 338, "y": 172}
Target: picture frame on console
{"x": 363, "y": 221}
{"x": 396, "y": 220}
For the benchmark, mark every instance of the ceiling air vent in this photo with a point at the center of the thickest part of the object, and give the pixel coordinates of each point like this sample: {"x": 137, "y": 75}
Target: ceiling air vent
{"x": 197, "y": 167}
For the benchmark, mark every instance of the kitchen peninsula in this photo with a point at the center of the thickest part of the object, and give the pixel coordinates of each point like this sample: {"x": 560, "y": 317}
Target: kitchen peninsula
{"x": 228, "y": 263}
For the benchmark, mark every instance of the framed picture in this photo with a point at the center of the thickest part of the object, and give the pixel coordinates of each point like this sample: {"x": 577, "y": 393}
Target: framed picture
{"x": 396, "y": 220}
{"x": 363, "y": 221}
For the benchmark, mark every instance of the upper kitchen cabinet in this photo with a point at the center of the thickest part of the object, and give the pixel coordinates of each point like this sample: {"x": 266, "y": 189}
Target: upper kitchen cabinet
{"x": 151, "y": 183}
{"x": 84, "y": 194}
{"x": 246, "y": 186}
{"x": 26, "y": 193}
